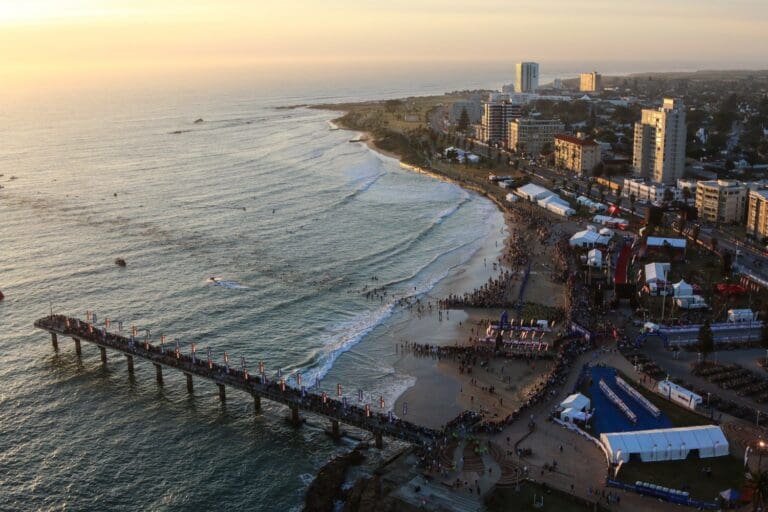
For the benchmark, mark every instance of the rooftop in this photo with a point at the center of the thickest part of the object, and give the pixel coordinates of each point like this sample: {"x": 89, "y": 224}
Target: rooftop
{"x": 575, "y": 140}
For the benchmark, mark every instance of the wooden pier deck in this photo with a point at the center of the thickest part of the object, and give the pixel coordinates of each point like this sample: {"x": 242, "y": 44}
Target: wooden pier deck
{"x": 259, "y": 386}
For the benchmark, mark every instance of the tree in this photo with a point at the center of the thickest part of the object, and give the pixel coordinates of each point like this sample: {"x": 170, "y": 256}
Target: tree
{"x": 706, "y": 340}
{"x": 463, "y": 120}
{"x": 758, "y": 482}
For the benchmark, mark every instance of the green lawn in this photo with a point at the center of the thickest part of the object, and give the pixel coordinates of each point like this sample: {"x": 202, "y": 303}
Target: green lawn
{"x": 509, "y": 500}
{"x": 726, "y": 472}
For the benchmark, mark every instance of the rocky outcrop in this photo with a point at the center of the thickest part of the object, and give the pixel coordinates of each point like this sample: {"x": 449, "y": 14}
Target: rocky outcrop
{"x": 325, "y": 489}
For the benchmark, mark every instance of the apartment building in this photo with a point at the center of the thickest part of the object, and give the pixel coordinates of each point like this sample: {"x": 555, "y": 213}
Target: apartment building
{"x": 576, "y": 154}
{"x": 495, "y": 121}
{"x": 721, "y": 201}
{"x": 532, "y": 135}
{"x": 659, "y": 144}
{"x": 757, "y": 213}
{"x": 590, "y": 82}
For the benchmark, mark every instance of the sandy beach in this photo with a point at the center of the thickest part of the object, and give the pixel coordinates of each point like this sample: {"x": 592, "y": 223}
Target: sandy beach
{"x": 442, "y": 389}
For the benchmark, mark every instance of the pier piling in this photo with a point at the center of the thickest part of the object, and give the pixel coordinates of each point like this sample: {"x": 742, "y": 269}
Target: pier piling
{"x": 295, "y": 419}
{"x": 295, "y": 398}
{"x": 159, "y": 373}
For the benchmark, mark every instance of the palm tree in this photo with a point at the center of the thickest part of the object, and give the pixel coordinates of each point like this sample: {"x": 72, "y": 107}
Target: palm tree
{"x": 758, "y": 482}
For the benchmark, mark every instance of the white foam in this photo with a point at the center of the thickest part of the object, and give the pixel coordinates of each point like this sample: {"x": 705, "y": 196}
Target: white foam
{"x": 224, "y": 283}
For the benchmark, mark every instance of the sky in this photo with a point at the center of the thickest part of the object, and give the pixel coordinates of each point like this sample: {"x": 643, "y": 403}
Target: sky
{"x": 44, "y": 42}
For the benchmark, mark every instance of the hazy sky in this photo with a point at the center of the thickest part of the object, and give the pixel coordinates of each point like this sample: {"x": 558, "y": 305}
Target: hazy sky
{"x": 79, "y": 40}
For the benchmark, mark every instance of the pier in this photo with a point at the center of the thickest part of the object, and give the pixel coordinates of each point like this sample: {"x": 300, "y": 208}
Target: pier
{"x": 258, "y": 386}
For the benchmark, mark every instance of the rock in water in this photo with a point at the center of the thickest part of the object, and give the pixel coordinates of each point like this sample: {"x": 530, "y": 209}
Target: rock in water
{"x": 198, "y": 120}
{"x": 120, "y": 262}
{"x": 325, "y": 489}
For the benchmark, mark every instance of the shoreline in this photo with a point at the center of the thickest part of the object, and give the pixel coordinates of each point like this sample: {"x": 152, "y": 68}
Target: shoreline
{"x": 441, "y": 391}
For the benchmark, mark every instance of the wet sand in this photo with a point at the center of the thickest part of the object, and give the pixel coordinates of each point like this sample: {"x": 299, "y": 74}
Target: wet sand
{"x": 441, "y": 391}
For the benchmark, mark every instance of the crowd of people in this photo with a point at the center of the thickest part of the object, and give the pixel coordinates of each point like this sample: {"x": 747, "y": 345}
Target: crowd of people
{"x": 365, "y": 416}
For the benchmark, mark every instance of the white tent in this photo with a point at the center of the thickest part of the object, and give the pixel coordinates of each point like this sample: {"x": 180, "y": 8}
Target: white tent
{"x": 576, "y": 401}
{"x": 588, "y": 238}
{"x": 533, "y": 192}
{"x": 682, "y": 289}
{"x": 570, "y": 415}
{"x": 656, "y": 272}
{"x": 665, "y": 444}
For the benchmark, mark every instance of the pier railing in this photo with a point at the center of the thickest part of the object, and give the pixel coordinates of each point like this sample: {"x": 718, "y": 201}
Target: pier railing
{"x": 259, "y": 386}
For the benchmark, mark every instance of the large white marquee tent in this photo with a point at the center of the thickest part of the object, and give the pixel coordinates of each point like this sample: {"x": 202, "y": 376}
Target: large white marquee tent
{"x": 665, "y": 444}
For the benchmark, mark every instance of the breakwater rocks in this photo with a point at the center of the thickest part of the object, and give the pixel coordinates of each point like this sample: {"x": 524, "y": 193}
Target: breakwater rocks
{"x": 326, "y": 489}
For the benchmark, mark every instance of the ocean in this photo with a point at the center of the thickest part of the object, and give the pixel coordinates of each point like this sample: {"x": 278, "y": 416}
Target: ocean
{"x": 294, "y": 224}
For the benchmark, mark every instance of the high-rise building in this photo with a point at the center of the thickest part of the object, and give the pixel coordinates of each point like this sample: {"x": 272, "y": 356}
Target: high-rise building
{"x": 721, "y": 201}
{"x": 531, "y": 135}
{"x": 590, "y": 82}
{"x": 526, "y": 77}
{"x": 575, "y": 154}
{"x": 757, "y": 214}
{"x": 659, "y": 147}
{"x": 495, "y": 121}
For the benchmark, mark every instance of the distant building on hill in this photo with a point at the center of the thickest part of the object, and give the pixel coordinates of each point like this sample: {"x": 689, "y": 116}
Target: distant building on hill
{"x": 576, "y": 154}
{"x": 590, "y": 82}
{"x": 526, "y": 77}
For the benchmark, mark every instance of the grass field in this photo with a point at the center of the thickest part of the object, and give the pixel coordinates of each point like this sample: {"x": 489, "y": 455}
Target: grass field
{"x": 687, "y": 475}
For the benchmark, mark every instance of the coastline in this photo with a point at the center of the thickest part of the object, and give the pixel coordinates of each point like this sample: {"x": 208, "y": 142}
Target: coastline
{"x": 440, "y": 391}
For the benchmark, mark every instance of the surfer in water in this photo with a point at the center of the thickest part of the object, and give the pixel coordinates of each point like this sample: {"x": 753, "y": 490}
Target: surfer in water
{"x": 213, "y": 280}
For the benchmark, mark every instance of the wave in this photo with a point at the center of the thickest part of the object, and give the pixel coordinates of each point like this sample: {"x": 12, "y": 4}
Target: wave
{"x": 348, "y": 334}
{"x": 232, "y": 285}
{"x": 401, "y": 247}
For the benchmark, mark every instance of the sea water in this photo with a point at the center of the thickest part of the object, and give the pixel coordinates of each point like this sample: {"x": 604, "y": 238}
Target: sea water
{"x": 256, "y": 232}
